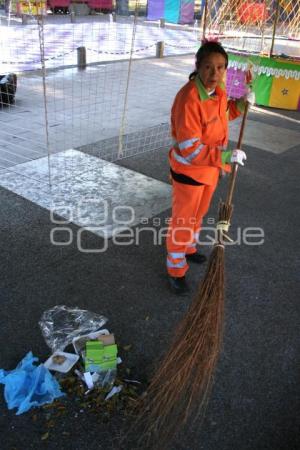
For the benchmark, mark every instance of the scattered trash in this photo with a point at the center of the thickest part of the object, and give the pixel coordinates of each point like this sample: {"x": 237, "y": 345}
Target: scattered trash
{"x": 89, "y": 376}
{"x": 115, "y": 390}
{"x": 88, "y": 380}
{"x": 101, "y": 335}
{"x": 103, "y": 379}
{"x": 45, "y": 436}
{"x": 28, "y": 385}
{"x": 79, "y": 374}
{"x": 61, "y": 324}
{"x": 61, "y": 361}
{"x": 127, "y": 347}
{"x": 99, "y": 357}
{"x": 132, "y": 381}
{"x": 99, "y": 353}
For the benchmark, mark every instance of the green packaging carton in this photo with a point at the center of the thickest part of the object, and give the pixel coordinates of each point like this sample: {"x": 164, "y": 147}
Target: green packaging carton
{"x": 99, "y": 358}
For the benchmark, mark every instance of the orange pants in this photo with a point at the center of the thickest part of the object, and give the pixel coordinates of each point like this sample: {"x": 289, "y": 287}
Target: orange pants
{"x": 189, "y": 206}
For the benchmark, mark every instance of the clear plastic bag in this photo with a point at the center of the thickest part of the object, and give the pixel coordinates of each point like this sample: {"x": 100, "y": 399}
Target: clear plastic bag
{"x": 61, "y": 324}
{"x": 103, "y": 379}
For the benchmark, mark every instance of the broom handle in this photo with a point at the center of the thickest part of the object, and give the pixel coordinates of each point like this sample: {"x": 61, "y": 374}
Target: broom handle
{"x": 234, "y": 170}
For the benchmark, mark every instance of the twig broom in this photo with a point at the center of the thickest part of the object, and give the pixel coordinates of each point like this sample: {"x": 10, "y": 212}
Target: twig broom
{"x": 179, "y": 390}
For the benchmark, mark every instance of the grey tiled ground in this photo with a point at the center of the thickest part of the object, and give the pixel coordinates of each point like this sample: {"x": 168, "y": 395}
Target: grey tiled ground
{"x": 86, "y": 108}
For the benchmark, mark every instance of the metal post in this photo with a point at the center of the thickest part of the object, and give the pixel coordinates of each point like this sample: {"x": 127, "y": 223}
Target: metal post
{"x": 274, "y": 28}
{"x": 81, "y": 57}
{"x": 114, "y": 16}
{"x": 205, "y": 19}
{"x": 24, "y": 19}
{"x": 160, "y": 49}
{"x": 73, "y": 17}
{"x": 162, "y": 23}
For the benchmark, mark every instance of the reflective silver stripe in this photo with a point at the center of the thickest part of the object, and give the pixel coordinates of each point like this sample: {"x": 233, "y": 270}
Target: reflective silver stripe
{"x": 187, "y": 160}
{"x": 196, "y": 152}
{"x": 176, "y": 255}
{"x": 192, "y": 245}
{"x": 180, "y": 159}
{"x": 179, "y": 265}
{"x": 188, "y": 143}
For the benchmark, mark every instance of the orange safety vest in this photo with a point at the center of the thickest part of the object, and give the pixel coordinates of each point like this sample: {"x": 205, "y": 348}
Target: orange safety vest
{"x": 199, "y": 125}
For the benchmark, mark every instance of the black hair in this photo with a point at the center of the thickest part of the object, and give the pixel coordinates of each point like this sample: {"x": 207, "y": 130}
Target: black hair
{"x": 206, "y": 49}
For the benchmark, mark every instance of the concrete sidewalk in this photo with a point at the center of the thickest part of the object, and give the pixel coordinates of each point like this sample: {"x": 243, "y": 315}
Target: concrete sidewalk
{"x": 85, "y": 108}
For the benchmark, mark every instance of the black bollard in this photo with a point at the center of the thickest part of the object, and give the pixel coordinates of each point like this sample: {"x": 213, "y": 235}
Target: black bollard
{"x": 81, "y": 57}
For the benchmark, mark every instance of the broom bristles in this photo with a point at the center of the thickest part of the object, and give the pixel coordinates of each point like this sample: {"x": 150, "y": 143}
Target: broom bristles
{"x": 180, "y": 387}
{"x": 179, "y": 391}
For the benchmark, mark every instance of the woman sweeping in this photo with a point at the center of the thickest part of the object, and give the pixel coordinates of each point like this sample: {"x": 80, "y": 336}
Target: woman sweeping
{"x": 199, "y": 122}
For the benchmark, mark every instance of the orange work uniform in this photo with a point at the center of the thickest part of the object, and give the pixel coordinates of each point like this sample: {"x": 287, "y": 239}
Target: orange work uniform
{"x": 199, "y": 125}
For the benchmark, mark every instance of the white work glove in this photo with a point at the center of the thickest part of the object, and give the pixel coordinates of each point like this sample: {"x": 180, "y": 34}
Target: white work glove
{"x": 238, "y": 156}
{"x": 250, "y": 98}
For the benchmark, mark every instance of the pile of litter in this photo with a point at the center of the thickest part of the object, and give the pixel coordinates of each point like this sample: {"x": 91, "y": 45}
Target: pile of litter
{"x": 97, "y": 403}
{"x": 90, "y": 375}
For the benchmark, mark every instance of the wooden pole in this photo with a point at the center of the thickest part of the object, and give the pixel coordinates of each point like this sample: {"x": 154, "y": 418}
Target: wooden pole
{"x": 274, "y": 28}
{"x": 234, "y": 169}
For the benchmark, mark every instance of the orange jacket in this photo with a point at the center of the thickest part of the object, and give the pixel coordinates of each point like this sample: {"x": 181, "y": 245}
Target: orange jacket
{"x": 200, "y": 131}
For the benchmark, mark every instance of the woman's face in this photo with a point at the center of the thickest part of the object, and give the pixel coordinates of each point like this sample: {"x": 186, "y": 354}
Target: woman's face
{"x": 211, "y": 70}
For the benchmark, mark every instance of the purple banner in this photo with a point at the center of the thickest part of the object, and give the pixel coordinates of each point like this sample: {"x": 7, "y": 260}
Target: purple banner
{"x": 187, "y": 11}
{"x": 156, "y": 9}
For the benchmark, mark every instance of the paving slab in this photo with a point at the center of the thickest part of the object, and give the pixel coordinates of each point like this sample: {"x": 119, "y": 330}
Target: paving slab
{"x": 267, "y": 137}
{"x": 96, "y": 195}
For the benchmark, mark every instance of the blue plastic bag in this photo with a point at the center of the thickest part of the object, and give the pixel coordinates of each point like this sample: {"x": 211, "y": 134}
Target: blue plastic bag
{"x": 28, "y": 385}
